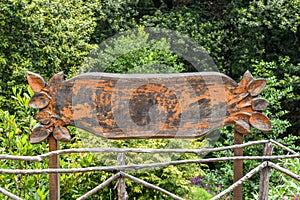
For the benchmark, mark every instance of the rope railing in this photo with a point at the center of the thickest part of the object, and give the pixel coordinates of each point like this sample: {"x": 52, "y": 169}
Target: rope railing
{"x": 134, "y": 167}
{"x": 41, "y": 157}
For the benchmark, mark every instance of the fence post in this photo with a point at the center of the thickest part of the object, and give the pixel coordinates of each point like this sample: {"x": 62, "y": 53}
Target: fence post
{"x": 265, "y": 173}
{"x": 238, "y": 166}
{"x": 122, "y": 193}
{"x": 54, "y": 183}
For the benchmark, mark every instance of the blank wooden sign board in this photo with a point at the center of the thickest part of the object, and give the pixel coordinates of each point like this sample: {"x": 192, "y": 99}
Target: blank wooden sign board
{"x": 128, "y": 106}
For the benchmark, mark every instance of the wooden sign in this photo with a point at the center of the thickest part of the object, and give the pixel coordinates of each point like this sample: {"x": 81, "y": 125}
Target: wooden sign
{"x": 126, "y": 106}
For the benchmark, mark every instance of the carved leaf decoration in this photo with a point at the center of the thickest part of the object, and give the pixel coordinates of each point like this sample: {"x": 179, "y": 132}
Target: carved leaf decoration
{"x": 237, "y": 98}
{"x": 62, "y": 134}
{"x": 43, "y": 116}
{"x": 242, "y": 127}
{"x": 39, "y": 100}
{"x": 39, "y": 134}
{"x": 243, "y": 115}
{"x": 247, "y": 109}
{"x": 256, "y": 86}
{"x": 247, "y": 78}
{"x": 245, "y": 102}
{"x": 239, "y": 116}
{"x": 36, "y": 82}
{"x": 57, "y": 79}
{"x": 240, "y": 89}
{"x": 259, "y": 104}
{"x": 260, "y": 121}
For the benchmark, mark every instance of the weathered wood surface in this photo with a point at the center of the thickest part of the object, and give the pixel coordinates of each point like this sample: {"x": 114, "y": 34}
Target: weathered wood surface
{"x": 125, "y": 106}
{"x": 238, "y": 166}
{"x": 265, "y": 174}
{"x": 54, "y": 178}
{"x": 121, "y": 186}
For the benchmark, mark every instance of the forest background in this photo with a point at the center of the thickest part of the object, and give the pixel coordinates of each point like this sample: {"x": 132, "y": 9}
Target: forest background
{"x": 47, "y": 37}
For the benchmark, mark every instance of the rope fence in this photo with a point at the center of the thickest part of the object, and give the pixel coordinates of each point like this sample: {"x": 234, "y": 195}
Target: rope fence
{"x": 134, "y": 167}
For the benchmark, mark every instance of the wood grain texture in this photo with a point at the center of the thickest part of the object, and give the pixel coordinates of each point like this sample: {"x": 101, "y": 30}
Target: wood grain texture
{"x": 121, "y": 186}
{"x": 54, "y": 178}
{"x": 238, "y": 166}
{"x": 126, "y": 106}
{"x": 265, "y": 174}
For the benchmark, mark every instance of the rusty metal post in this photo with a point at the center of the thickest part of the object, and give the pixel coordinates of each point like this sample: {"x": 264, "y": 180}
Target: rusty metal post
{"x": 54, "y": 164}
{"x": 265, "y": 174}
{"x": 238, "y": 166}
{"x": 122, "y": 193}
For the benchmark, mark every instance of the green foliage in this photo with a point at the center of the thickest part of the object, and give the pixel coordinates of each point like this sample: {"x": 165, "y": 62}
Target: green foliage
{"x": 112, "y": 17}
{"x": 14, "y": 132}
{"x": 193, "y": 21}
{"x": 41, "y": 36}
{"x": 134, "y": 52}
{"x": 264, "y": 27}
{"x": 198, "y": 193}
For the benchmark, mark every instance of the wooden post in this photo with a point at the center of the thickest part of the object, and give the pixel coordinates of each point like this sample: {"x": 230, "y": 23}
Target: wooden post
{"x": 54, "y": 164}
{"x": 265, "y": 174}
{"x": 238, "y": 166}
{"x": 122, "y": 193}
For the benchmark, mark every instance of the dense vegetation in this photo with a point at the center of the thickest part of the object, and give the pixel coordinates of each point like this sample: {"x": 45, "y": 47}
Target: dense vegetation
{"x": 50, "y": 36}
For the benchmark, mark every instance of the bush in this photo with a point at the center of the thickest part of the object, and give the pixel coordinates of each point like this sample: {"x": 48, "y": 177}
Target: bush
{"x": 14, "y": 136}
{"x": 41, "y": 36}
{"x": 133, "y": 52}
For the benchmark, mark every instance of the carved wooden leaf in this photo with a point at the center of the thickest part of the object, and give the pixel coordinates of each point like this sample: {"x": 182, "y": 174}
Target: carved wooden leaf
{"x": 243, "y": 115}
{"x": 36, "y": 82}
{"x": 43, "y": 116}
{"x": 39, "y": 134}
{"x": 256, "y": 86}
{"x": 260, "y": 121}
{"x": 248, "y": 109}
{"x": 237, "y": 98}
{"x": 259, "y": 104}
{"x": 62, "y": 134}
{"x": 57, "y": 78}
{"x": 239, "y": 116}
{"x": 242, "y": 126}
{"x": 39, "y": 100}
{"x": 247, "y": 78}
{"x": 240, "y": 89}
{"x": 245, "y": 102}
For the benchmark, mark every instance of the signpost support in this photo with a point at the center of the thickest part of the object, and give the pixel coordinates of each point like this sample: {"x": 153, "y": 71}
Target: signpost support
{"x": 238, "y": 166}
{"x": 54, "y": 164}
